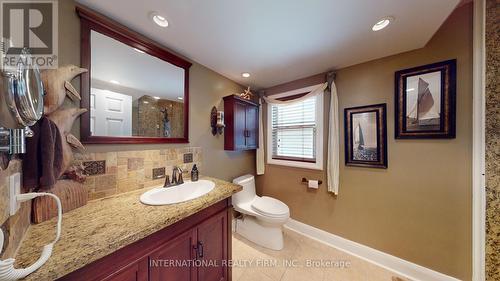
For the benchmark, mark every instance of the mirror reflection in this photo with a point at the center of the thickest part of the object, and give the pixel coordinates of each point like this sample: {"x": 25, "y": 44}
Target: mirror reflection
{"x": 133, "y": 93}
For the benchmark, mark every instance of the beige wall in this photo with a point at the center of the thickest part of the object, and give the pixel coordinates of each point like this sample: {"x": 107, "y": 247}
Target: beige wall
{"x": 206, "y": 89}
{"x": 419, "y": 209}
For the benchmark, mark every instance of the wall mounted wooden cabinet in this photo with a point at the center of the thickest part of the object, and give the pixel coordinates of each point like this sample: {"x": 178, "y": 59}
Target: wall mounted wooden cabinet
{"x": 242, "y": 124}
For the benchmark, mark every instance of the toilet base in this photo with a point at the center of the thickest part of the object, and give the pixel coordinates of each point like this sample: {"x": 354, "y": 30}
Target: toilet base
{"x": 263, "y": 234}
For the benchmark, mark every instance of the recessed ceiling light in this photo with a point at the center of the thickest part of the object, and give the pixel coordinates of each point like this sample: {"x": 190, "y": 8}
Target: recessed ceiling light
{"x": 114, "y": 82}
{"x": 139, "y": 51}
{"x": 158, "y": 19}
{"x": 382, "y": 23}
{"x": 180, "y": 98}
{"x": 410, "y": 89}
{"x": 156, "y": 98}
{"x": 245, "y": 74}
{"x": 146, "y": 102}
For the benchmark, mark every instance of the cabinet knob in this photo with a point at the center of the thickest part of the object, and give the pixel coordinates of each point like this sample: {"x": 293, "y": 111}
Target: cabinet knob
{"x": 200, "y": 249}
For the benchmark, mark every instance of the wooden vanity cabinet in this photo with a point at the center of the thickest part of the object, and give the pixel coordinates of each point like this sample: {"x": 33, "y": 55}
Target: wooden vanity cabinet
{"x": 199, "y": 244}
{"x": 241, "y": 117}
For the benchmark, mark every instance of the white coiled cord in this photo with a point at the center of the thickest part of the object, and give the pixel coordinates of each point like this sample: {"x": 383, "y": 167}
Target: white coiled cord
{"x": 7, "y": 270}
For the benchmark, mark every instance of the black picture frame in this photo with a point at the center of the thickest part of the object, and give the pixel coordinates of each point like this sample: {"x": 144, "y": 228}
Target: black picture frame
{"x": 409, "y": 125}
{"x": 358, "y": 152}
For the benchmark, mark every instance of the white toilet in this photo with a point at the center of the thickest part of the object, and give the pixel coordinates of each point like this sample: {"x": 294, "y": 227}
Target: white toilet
{"x": 262, "y": 216}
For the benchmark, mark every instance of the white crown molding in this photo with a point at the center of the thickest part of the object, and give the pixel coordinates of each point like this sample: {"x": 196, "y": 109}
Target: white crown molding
{"x": 397, "y": 265}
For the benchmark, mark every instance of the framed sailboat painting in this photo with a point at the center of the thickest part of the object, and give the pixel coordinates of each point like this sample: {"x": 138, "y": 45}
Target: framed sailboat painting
{"x": 425, "y": 101}
{"x": 366, "y": 136}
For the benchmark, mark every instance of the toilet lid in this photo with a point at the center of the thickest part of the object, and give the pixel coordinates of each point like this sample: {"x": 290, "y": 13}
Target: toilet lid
{"x": 270, "y": 207}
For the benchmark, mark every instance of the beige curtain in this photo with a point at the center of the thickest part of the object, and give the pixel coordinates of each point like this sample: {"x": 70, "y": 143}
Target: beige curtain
{"x": 333, "y": 159}
{"x": 332, "y": 172}
{"x": 320, "y": 89}
{"x": 261, "y": 167}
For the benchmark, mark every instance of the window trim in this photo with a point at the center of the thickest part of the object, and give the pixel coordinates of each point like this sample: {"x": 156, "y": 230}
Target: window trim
{"x": 318, "y": 165}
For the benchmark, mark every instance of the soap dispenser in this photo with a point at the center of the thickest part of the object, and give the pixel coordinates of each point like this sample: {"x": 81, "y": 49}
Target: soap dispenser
{"x": 194, "y": 173}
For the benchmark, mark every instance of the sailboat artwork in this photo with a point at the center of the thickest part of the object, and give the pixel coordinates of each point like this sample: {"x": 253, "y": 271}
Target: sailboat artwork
{"x": 365, "y": 136}
{"x": 358, "y": 137}
{"x": 424, "y": 103}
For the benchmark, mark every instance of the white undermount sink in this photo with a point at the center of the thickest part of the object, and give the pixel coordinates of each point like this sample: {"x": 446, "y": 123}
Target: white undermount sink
{"x": 176, "y": 194}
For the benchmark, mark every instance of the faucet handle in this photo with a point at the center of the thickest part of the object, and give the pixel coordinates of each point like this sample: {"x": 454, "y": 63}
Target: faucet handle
{"x": 180, "y": 180}
{"x": 167, "y": 181}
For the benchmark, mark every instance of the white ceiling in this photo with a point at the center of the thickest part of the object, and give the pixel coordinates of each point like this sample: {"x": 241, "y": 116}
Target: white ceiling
{"x": 281, "y": 40}
{"x": 147, "y": 75}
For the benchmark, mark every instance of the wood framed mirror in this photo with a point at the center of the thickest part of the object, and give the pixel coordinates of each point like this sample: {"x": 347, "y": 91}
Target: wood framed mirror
{"x": 135, "y": 91}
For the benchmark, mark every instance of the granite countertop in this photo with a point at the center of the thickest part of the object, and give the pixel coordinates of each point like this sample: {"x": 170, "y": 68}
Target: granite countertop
{"x": 105, "y": 225}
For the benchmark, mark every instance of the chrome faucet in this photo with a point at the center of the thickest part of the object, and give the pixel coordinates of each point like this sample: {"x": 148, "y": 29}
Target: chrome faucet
{"x": 176, "y": 178}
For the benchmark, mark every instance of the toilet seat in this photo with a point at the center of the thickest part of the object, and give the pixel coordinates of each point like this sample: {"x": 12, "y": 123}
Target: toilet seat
{"x": 270, "y": 207}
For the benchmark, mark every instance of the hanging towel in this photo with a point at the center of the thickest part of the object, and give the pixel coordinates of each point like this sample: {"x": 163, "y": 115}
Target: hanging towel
{"x": 332, "y": 171}
{"x": 43, "y": 161}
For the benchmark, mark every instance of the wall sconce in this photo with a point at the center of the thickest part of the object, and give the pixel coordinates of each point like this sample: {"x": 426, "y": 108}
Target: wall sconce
{"x": 217, "y": 121}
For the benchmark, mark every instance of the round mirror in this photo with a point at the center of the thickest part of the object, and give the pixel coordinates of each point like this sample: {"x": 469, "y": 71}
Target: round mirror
{"x": 21, "y": 95}
{"x": 29, "y": 96}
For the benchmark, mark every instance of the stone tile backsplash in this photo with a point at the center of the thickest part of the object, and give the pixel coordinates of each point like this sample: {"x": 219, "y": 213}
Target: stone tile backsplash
{"x": 131, "y": 170}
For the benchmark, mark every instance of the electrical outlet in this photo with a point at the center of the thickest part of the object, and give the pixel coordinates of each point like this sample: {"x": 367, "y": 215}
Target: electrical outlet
{"x": 14, "y": 190}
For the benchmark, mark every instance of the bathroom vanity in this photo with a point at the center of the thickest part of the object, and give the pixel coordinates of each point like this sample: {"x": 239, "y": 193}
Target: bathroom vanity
{"x": 119, "y": 238}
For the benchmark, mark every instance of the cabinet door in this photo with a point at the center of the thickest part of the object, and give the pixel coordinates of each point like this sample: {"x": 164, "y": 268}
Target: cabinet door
{"x": 133, "y": 272}
{"x": 212, "y": 248}
{"x": 239, "y": 125}
{"x": 252, "y": 127}
{"x": 174, "y": 260}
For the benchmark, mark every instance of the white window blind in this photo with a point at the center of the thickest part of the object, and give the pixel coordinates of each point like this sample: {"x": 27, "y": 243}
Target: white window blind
{"x": 294, "y": 130}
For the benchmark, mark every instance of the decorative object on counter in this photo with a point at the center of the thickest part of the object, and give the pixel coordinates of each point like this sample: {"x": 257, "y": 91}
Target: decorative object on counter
{"x": 64, "y": 119}
{"x": 366, "y": 136}
{"x": 425, "y": 101}
{"x": 72, "y": 194}
{"x": 247, "y": 94}
{"x": 75, "y": 173}
{"x": 57, "y": 86}
{"x": 53, "y": 145}
{"x": 242, "y": 123}
{"x": 194, "y": 173}
{"x": 21, "y": 105}
{"x": 217, "y": 121}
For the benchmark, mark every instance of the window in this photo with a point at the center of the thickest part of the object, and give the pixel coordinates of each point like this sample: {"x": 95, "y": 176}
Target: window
{"x": 295, "y": 135}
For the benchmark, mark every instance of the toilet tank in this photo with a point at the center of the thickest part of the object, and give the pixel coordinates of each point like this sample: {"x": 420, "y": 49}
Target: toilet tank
{"x": 248, "y": 192}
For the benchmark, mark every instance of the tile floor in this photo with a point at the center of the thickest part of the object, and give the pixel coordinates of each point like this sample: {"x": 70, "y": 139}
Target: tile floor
{"x": 302, "y": 259}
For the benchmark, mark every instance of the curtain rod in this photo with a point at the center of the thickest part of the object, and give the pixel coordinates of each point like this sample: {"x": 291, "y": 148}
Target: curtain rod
{"x": 330, "y": 77}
